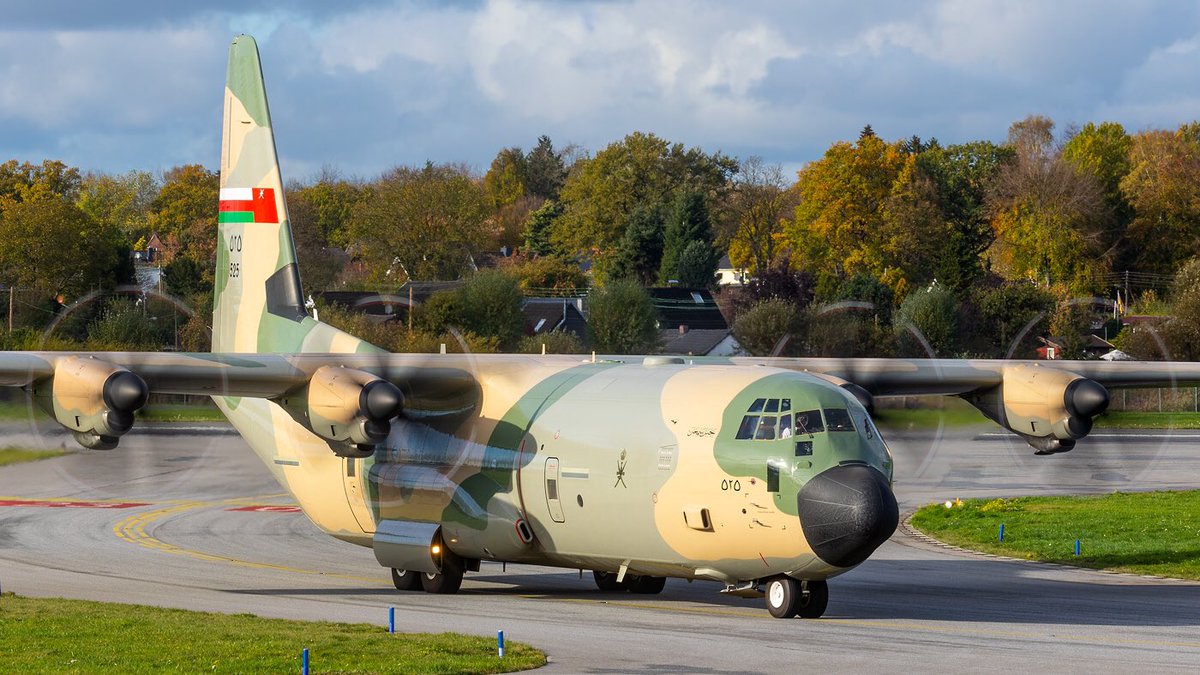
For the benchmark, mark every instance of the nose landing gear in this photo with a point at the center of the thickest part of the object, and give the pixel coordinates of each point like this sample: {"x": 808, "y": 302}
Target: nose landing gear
{"x": 788, "y": 597}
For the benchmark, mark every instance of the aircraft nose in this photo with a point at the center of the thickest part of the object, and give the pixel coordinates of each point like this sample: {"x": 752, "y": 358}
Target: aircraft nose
{"x": 847, "y": 512}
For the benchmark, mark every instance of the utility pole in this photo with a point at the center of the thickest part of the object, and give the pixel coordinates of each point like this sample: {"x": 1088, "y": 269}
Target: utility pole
{"x": 10, "y": 308}
{"x": 410, "y": 306}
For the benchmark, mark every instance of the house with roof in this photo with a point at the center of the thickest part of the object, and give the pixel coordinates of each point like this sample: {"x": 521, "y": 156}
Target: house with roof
{"x": 1094, "y": 347}
{"x": 691, "y": 324}
{"x": 543, "y": 315}
{"x": 728, "y": 275}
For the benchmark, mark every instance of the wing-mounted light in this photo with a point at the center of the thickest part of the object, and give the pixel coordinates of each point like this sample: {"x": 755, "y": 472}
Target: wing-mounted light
{"x": 1049, "y": 408}
{"x": 351, "y": 409}
{"x": 93, "y": 398}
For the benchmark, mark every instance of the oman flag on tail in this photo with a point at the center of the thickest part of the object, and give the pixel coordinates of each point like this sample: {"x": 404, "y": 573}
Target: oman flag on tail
{"x": 247, "y": 205}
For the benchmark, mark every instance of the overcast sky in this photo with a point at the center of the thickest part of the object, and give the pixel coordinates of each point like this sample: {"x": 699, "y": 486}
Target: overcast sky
{"x": 363, "y": 86}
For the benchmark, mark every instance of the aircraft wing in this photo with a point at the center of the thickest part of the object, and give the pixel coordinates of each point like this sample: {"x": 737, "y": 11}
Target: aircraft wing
{"x": 949, "y": 377}
{"x": 353, "y": 396}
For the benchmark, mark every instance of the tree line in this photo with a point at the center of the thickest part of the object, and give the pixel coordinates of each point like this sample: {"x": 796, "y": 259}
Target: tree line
{"x": 962, "y": 244}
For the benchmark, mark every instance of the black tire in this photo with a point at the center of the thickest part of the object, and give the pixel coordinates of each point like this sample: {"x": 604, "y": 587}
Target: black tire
{"x": 647, "y": 585}
{"x": 783, "y": 597}
{"x": 813, "y": 603}
{"x": 607, "y": 581}
{"x": 406, "y": 580}
{"x": 449, "y": 580}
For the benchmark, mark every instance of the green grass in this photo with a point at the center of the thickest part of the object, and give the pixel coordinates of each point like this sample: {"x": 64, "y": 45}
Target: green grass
{"x": 1144, "y": 533}
{"x": 953, "y": 413}
{"x": 77, "y": 636}
{"x": 19, "y": 455}
{"x": 14, "y": 410}
{"x": 1148, "y": 420}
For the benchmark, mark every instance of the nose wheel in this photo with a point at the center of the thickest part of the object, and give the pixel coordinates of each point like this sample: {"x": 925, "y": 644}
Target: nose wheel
{"x": 788, "y": 597}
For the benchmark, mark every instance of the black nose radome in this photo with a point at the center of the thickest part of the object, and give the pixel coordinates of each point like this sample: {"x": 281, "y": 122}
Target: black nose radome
{"x": 847, "y": 512}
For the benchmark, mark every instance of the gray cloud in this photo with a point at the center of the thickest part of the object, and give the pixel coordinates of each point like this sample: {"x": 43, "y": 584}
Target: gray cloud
{"x": 366, "y": 86}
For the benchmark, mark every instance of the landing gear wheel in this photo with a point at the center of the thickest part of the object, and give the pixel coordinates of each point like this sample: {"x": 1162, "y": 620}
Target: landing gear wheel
{"x": 647, "y": 585}
{"x": 783, "y": 597}
{"x": 607, "y": 581}
{"x": 406, "y": 580}
{"x": 448, "y": 580}
{"x": 813, "y": 603}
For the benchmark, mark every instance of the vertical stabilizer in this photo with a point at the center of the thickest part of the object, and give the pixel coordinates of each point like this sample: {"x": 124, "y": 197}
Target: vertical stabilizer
{"x": 257, "y": 304}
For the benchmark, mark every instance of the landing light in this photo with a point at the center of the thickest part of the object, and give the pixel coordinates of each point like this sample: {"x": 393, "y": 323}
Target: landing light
{"x": 435, "y": 549}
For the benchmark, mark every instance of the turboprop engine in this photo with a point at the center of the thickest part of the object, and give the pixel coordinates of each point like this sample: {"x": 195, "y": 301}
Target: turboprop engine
{"x": 1049, "y": 408}
{"x": 93, "y": 398}
{"x": 350, "y": 409}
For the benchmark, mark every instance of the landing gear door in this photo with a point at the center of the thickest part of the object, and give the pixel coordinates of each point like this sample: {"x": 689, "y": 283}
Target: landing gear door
{"x": 354, "y": 474}
{"x": 552, "y": 500}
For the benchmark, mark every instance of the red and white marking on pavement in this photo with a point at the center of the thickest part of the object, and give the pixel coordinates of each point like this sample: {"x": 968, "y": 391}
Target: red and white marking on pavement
{"x": 66, "y": 504}
{"x": 268, "y": 508}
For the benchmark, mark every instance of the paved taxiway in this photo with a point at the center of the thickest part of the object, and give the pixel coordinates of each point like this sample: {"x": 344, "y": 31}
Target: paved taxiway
{"x": 206, "y": 536}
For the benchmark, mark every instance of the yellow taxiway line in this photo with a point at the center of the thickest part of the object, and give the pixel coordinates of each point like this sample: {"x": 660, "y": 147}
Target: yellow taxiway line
{"x": 132, "y": 529}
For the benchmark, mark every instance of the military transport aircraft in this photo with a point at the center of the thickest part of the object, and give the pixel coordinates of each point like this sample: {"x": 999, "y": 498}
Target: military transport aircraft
{"x": 764, "y": 474}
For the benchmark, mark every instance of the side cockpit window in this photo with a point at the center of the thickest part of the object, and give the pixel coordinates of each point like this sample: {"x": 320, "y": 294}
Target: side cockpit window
{"x": 839, "y": 419}
{"x": 809, "y": 422}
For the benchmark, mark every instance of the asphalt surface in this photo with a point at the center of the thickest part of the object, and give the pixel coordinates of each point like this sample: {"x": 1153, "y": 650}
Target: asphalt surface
{"x": 189, "y": 518}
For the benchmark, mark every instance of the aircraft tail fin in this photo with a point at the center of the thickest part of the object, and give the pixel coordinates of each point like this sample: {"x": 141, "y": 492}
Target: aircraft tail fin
{"x": 258, "y": 304}
{"x": 256, "y": 294}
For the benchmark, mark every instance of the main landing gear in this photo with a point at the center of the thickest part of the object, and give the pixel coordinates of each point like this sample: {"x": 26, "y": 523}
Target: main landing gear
{"x": 445, "y": 582}
{"x": 634, "y": 583}
{"x": 788, "y": 597}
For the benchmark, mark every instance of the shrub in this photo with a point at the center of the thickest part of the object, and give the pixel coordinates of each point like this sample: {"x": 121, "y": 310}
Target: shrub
{"x": 759, "y": 329}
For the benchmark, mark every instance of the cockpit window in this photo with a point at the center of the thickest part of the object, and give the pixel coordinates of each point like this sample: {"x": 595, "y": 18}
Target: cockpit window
{"x": 746, "y": 430}
{"x": 785, "y": 426}
{"x": 768, "y": 419}
{"x": 766, "y": 429}
{"x": 809, "y": 422}
{"x": 839, "y": 419}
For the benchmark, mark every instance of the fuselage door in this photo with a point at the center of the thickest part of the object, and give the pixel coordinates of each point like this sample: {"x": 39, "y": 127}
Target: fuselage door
{"x": 552, "y": 485}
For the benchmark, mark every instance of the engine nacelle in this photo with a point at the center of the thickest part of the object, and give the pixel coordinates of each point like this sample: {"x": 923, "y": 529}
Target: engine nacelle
{"x": 1049, "y": 408}
{"x": 350, "y": 409}
{"x": 94, "y": 399}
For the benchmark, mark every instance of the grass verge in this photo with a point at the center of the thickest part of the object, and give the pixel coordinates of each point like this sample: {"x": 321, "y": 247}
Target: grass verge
{"x": 1142, "y": 533}
{"x": 953, "y": 413}
{"x": 68, "y": 636}
{"x": 21, "y": 455}
{"x": 1148, "y": 420}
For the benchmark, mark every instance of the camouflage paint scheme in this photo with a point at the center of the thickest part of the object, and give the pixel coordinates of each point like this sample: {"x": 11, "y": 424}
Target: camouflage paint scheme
{"x": 619, "y": 464}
